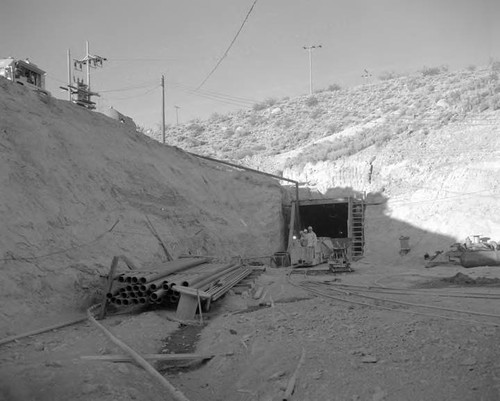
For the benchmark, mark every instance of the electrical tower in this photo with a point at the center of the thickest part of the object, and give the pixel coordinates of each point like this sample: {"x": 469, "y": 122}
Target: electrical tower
{"x": 310, "y": 49}
{"x": 79, "y": 91}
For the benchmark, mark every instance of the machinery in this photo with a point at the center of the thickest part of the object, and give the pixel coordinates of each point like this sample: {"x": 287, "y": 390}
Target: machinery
{"x": 338, "y": 261}
{"x": 23, "y": 72}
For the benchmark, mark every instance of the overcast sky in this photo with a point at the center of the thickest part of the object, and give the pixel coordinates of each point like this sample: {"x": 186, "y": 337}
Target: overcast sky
{"x": 184, "y": 40}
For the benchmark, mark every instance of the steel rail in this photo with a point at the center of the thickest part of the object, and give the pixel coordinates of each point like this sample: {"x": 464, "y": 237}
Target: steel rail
{"x": 413, "y": 304}
{"x": 403, "y": 291}
{"x": 330, "y": 296}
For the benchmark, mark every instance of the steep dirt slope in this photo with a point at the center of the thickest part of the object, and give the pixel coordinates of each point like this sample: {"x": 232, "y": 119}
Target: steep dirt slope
{"x": 76, "y": 189}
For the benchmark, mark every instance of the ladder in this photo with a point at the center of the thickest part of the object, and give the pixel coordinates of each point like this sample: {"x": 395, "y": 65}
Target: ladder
{"x": 358, "y": 227}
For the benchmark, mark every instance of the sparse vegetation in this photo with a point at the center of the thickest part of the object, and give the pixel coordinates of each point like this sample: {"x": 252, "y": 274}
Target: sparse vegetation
{"x": 393, "y": 110}
{"x": 311, "y": 101}
{"x": 334, "y": 87}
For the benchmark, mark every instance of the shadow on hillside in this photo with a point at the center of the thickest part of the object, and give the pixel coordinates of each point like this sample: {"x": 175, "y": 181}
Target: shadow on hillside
{"x": 385, "y": 235}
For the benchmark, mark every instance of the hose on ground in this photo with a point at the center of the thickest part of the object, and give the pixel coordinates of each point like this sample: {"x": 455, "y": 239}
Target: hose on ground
{"x": 174, "y": 392}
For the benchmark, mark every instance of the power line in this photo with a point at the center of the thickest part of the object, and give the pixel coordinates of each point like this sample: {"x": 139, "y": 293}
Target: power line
{"x": 141, "y": 86}
{"x": 215, "y": 95}
{"x": 138, "y": 95}
{"x": 229, "y": 47}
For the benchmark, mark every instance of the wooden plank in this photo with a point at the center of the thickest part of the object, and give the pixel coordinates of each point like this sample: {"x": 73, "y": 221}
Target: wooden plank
{"x": 191, "y": 291}
{"x": 292, "y": 226}
{"x": 311, "y": 202}
{"x": 109, "y": 286}
{"x": 150, "y": 357}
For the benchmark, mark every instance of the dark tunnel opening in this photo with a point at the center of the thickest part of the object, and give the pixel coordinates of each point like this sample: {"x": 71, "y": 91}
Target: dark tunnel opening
{"x": 327, "y": 220}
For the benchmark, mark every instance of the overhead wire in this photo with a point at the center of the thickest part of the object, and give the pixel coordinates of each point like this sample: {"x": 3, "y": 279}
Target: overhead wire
{"x": 138, "y": 95}
{"x": 229, "y": 47}
{"x": 219, "y": 97}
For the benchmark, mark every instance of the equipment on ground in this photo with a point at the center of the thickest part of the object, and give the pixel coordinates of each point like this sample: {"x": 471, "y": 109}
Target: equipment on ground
{"x": 338, "y": 261}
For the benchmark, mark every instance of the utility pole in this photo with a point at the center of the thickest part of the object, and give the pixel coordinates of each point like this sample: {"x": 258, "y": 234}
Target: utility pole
{"x": 366, "y": 75}
{"x": 163, "y": 107}
{"x": 310, "y": 49}
{"x": 177, "y": 114}
{"x": 69, "y": 75}
{"x": 81, "y": 90}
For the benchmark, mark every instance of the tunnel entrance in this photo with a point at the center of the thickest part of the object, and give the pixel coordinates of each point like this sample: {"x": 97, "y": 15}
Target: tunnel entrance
{"x": 330, "y": 220}
{"x": 341, "y": 218}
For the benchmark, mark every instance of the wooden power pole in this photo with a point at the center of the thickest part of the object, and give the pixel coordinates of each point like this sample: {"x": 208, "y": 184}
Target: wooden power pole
{"x": 163, "y": 107}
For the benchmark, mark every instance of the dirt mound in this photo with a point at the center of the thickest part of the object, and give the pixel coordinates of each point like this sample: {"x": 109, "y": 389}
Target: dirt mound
{"x": 77, "y": 187}
{"x": 464, "y": 280}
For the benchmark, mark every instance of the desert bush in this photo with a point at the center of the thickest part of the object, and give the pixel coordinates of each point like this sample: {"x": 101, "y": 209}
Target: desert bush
{"x": 195, "y": 128}
{"x": 258, "y": 148}
{"x": 311, "y": 101}
{"x": 430, "y": 71}
{"x": 333, "y": 128}
{"x": 316, "y": 113}
{"x": 286, "y": 122}
{"x": 334, "y": 87}
{"x": 495, "y": 65}
{"x": 270, "y": 101}
{"x": 471, "y": 68}
{"x": 388, "y": 75}
{"x": 242, "y": 153}
{"x": 255, "y": 119}
{"x": 216, "y": 117}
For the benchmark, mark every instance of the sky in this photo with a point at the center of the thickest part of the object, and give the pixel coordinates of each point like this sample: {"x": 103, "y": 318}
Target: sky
{"x": 184, "y": 40}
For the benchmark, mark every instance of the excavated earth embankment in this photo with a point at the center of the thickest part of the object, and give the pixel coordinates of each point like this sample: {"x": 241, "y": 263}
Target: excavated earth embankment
{"x": 78, "y": 188}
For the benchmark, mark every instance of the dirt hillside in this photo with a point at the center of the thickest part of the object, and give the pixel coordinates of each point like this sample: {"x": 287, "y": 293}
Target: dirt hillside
{"x": 423, "y": 147}
{"x": 78, "y": 188}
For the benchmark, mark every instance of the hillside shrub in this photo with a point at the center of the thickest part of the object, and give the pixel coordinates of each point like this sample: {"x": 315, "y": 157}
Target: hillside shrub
{"x": 495, "y": 65}
{"x": 311, "y": 101}
{"x": 242, "y": 153}
{"x": 195, "y": 129}
{"x": 430, "y": 71}
{"x": 388, "y": 75}
{"x": 255, "y": 119}
{"x": 316, "y": 113}
{"x": 333, "y": 128}
{"x": 269, "y": 102}
{"x": 286, "y": 122}
{"x": 334, "y": 87}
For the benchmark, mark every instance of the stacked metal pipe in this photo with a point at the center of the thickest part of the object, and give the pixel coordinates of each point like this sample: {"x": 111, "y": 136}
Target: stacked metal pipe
{"x": 159, "y": 286}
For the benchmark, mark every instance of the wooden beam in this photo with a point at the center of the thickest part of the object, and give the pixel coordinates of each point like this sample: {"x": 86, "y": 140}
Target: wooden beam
{"x": 292, "y": 225}
{"x": 310, "y": 202}
{"x": 148, "y": 357}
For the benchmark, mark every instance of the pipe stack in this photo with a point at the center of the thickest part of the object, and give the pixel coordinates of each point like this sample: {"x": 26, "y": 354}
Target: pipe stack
{"x": 159, "y": 286}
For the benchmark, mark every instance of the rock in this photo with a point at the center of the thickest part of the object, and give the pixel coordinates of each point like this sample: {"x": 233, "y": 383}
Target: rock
{"x": 88, "y": 388}
{"x": 277, "y": 375}
{"x": 39, "y": 346}
{"x": 123, "y": 368}
{"x": 133, "y": 393}
{"x": 276, "y": 110}
{"x": 369, "y": 359}
{"x": 317, "y": 375}
{"x": 234, "y": 332}
{"x": 379, "y": 394}
{"x": 54, "y": 364}
{"x": 468, "y": 361}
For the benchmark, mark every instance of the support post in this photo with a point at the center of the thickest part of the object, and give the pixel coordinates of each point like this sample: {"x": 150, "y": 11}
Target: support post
{"x": 163, "y": 107}
{"x": 69, "y": 75}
